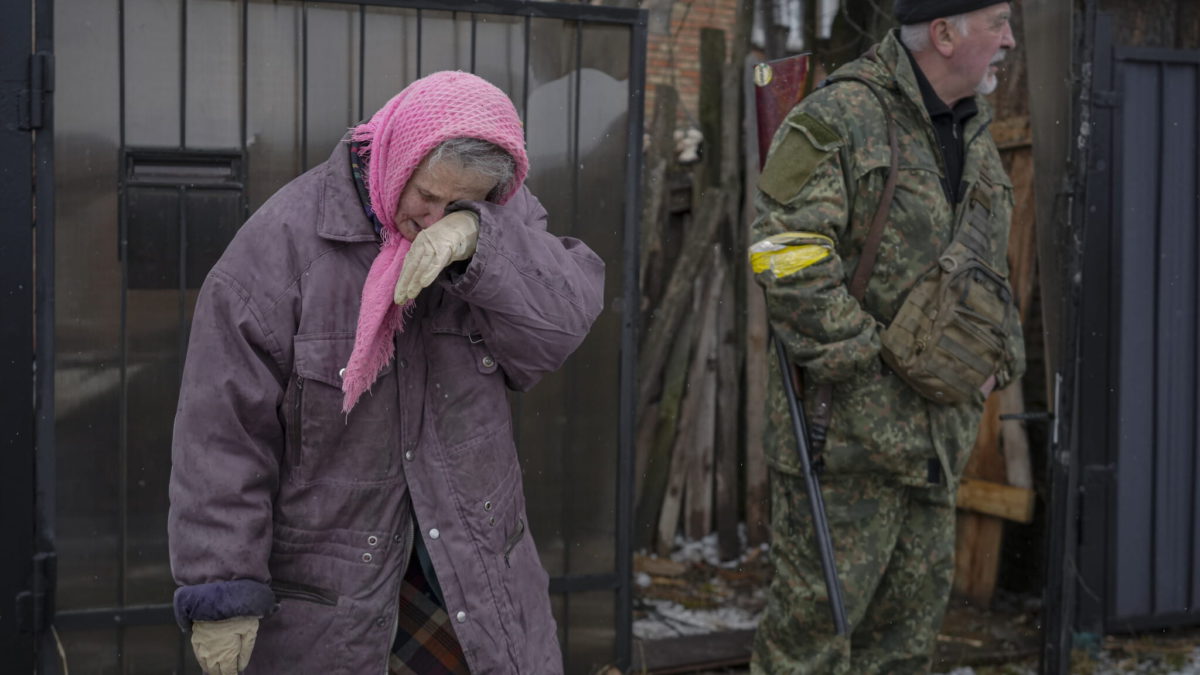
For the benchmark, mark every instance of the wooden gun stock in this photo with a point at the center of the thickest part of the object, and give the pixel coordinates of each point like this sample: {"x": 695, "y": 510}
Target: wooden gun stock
{"x": 778, "y": 87}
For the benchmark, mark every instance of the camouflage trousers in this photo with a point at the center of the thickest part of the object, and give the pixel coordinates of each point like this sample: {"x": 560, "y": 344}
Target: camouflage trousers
{"x": 894, "y": 546}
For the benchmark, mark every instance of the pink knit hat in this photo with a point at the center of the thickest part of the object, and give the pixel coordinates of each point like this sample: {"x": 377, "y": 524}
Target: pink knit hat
{"x": 435, "y": 108}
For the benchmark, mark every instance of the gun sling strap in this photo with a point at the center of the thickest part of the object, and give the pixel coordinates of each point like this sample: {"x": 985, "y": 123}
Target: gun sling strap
{"x": 822, "y": 394}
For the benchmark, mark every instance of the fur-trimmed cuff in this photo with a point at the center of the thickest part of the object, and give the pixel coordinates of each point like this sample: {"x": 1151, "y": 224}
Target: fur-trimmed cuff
{"x": 223, "y": 600}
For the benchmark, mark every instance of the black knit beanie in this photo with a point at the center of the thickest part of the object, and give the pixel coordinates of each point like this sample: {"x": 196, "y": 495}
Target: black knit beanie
{"x": 919, "y": 11}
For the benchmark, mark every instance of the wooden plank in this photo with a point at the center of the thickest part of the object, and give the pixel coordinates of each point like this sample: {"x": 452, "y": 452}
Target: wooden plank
{"x": 1011, "y": 133}
{"x": 977, "y": 559}
{"x": 681, "y": 453}
{"x": 996, "y": 499}
{"x": 728, "y": 545}
{"x": 698, "y": 511}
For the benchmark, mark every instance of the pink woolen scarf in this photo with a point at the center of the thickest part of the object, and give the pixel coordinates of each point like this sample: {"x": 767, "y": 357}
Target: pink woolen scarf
{"x": 435, "y": 108}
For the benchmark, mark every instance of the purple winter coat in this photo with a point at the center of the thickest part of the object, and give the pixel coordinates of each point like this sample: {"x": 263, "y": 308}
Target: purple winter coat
{"x": 280, "y": 500}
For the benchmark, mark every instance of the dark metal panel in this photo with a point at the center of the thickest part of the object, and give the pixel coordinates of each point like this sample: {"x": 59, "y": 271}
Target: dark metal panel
{"x": 16, "y": 333}
{"x": 1174, "y": 396}
{"x": 1097, "y": 350}
{"x": 1139, "y": 162}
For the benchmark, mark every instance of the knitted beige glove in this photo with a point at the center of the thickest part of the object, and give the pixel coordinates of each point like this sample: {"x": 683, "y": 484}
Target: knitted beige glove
{"x": 223, "y": 647}
{"x": 448, "y": 240}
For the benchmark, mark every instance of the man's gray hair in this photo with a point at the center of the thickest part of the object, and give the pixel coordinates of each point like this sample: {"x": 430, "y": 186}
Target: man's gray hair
{"x": 480, "y": 156}
{"x": 916, "y": 36}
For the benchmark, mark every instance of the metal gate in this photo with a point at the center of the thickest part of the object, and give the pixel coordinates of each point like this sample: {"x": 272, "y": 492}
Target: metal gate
{"x": 1139, "y": 553}
{"x": 177, "y": 118}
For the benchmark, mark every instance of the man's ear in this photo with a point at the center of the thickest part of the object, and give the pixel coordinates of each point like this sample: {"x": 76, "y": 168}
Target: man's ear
{"x": 941, "y": 37}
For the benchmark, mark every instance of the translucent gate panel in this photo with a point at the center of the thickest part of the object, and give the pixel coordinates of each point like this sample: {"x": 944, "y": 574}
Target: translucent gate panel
{"x": 212, "y": 75}
{"x": 390, "y": 55}
{"x": 152, "y": 58}
{"x": 273, "y": 85}
{"x": 442, "y": 46}
{"x": 541, "y": 414}
{"x": 88, "y": 293}
{"x": 330, "y": 103}
{"x": 143, "y": 76}
{"x": 500, "y": 54}
{"x": 603, "y": 86}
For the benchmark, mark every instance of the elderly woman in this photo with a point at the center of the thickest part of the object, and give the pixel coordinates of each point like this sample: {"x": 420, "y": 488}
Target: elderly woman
{"x": 345, "y": 493}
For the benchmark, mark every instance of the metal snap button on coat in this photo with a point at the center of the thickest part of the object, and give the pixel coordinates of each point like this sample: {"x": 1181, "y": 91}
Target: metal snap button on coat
{"x": 372, "y": 540}
{"x": 366, "y": 557}
{"x": 461, "y": 617}
{"x": 341, "y": 373}
{"x": 397, "y": 538}
{"x": 408, "y": 455}
{"x": 488, "y": 361}
{"x": 434, "y": 534}
{"x": 403, "y": 363}
{"x": 487, "y": 506}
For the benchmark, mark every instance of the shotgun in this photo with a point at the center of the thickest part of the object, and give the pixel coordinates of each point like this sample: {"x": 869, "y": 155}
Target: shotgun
{"x": 779, "y": 86}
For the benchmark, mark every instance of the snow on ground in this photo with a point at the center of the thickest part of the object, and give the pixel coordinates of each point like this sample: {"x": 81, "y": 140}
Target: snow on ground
{"x": 1107, "y": 662}
{"x": 668, "y": 619}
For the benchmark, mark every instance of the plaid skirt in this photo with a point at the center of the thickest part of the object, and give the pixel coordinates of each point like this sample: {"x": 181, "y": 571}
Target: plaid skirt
{"x": 425, "y": 642}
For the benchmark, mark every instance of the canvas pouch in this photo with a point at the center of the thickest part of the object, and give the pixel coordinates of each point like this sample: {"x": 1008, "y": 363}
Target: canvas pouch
{"x": 949, "y": 335}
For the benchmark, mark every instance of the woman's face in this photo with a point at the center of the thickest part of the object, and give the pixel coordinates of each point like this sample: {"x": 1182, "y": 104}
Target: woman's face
{"x": 431, "y": 188}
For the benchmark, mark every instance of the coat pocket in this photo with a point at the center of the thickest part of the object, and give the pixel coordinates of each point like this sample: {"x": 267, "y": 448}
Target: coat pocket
{"x": 465, "y": 386}
{"x": 327, "y": 445}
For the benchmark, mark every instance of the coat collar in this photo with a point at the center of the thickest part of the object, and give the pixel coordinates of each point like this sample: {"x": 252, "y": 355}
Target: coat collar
{"x": 340, "y": 213}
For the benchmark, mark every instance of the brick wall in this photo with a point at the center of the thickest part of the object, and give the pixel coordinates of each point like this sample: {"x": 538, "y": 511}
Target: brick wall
{"x": 673, "y": 57}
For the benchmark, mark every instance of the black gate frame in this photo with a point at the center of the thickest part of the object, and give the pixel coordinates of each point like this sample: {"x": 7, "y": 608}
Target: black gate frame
{"x": 27, "y": 500}
{"x": 27, "y": 333}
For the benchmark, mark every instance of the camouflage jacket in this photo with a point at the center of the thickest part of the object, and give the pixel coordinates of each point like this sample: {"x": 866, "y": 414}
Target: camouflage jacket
{"x": 817, "y": 195}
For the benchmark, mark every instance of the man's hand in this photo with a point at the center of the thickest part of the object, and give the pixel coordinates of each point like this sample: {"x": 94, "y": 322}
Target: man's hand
{"x": 988, "y": 386}
{"x": 223, "y": 647}
{"x": 448, "y": 240}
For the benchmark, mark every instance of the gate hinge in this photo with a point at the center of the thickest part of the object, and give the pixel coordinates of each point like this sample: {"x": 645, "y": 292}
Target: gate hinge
{"x": 35, "y": 607}
{"x": 1105, "y": 98}
{"x": 41, "y": 86}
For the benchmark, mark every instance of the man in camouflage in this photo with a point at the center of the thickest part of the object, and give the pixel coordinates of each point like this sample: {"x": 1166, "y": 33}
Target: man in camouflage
{"x": 892, "y": 459}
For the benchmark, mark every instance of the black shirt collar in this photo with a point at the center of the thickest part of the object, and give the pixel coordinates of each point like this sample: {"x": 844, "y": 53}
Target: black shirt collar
{"x": 962, "y": 111}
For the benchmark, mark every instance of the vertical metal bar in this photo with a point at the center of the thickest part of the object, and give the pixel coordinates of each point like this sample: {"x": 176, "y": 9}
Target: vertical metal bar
{"x": 629, "y": 342}
{"x": 183, "y": 237}
{"x": 362, "y": 62}
{"x": 45, "y": 440}
{"x": 474, "y": 33}
{"x": 304, "y": 87}
{"x": 1156, "y": 449}
{"x": 183, "y": 28}
{"x": 419, "y": 48}
{"x": 525, "y": 73}
{"x": 1195, "y": 443}
{"x": 123, "y": 347}
{"x": 18, "y": 458}
{"x": 245, "y": 107}
{"x": 572, "y": 379}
